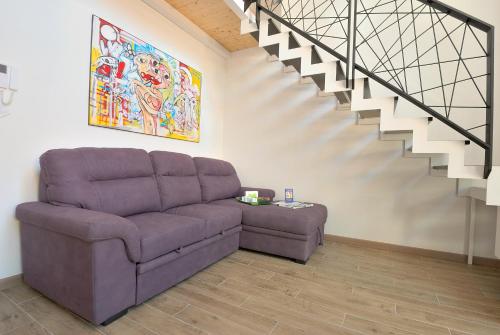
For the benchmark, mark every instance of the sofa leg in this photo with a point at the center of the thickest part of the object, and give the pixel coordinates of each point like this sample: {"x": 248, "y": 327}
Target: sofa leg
{"x": 299, "y": 261}
{"x": 114, "y": 318}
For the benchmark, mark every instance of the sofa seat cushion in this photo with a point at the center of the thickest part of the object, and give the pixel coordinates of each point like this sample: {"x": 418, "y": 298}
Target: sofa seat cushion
{"x": 304, "y": 221}
{"x": 161, "y": 233}
{"x": 218, "y": 218}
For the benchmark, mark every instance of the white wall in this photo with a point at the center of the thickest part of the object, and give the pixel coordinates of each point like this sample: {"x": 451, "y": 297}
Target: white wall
{"x": 278, "y": 134}
{"x": 49, "y": 42}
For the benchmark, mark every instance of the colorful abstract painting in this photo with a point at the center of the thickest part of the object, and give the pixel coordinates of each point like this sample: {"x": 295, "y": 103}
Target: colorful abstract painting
{"x": 136, "y": 87}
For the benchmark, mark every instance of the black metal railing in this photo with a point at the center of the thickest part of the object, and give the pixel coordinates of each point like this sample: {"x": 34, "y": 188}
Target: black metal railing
{"x": 434, "y": 56}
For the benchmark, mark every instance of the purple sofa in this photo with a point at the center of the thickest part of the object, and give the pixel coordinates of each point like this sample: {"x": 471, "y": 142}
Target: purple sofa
{"x": 115, "y": 227}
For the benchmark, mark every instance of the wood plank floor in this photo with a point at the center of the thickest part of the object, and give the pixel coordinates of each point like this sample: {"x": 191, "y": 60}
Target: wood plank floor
{"x": 342, "y": 290}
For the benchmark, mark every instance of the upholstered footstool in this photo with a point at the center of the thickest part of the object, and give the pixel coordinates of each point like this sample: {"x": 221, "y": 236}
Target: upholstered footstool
{"x": 291, "y": 233}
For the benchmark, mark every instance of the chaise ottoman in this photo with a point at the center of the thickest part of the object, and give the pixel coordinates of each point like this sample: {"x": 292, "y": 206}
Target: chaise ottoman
{"x": 291, "y": 233}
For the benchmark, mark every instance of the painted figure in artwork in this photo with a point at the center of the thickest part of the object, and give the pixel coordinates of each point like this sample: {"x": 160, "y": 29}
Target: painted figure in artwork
{"x": 188, "y": 100}
{"x": 136, "y": 87}
{"x": 154, "y": 76}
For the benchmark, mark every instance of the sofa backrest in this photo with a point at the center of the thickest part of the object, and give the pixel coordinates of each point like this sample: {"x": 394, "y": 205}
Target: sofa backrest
{"x": 177, "y": 179}
{"x": 218, "y": 179}
{"x": 116, "y": 181}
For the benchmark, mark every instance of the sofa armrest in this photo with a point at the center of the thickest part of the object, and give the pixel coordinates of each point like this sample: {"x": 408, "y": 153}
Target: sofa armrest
{"x": 84, "y": 224}
{"x": 263, "y": 192}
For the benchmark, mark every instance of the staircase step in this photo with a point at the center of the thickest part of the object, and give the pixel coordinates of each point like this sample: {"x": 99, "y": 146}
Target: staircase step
{"x": 344, "y": 107}
{"x": 478, "y": 193}
{"x": 296, "y": 63}
{"x": 344, "y": 97}
{"x": 323, "y": 94}
{"x": 306, "y": 81}
{"x": 289, "y": 69}
{"x": 273, "y": 50}
{"x": 272, "y": 29}
{"x": 373, "y": 121}
{"x": 272, "y": 58}
{"x": 319, "y": 79}
{"x": 408, "y": 153}
{"x": 397, "y": 135}
{"x": 315, "y": 57}
{"x": 292, "y": 42}
{"x": 474, "y": 172}
{"x": 255, "y": 35}
{"x": 440, "y": 167}
{"x": 471, "y": 187}
{"x": 438, "y": 170}
{"x": 249, "y": 25}
{"x": 368, "y": 117}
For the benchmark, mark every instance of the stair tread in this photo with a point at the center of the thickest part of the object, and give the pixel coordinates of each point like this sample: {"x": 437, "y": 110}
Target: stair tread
{"x": 444, "y": 167}
{"x": 368, "y": 114}
{"x": 397, "y": 131}
{"x": 440, "y": 167}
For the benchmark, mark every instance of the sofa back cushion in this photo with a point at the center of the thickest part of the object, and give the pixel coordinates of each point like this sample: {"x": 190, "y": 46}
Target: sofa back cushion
{"x": 218, "y": 179}
{"x": 177, "y": 179}
{"x": 116, "y": 181}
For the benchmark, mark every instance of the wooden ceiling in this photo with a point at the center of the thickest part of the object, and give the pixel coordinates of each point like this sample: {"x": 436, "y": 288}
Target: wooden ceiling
{"x": 217, "y": 20}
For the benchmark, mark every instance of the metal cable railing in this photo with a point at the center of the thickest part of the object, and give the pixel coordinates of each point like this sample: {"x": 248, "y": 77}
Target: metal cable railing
{"x": 434, "y": 56}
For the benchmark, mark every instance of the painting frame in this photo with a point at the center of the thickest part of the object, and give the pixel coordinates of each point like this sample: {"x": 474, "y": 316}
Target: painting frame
{"x": 136, "y": 87}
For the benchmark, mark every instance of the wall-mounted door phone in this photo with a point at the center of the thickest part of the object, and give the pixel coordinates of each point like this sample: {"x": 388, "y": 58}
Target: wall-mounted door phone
{"x": 8, "y": 84}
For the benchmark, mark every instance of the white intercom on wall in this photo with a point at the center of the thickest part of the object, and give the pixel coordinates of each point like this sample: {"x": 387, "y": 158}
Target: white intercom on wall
{"x": 8, "y": 84}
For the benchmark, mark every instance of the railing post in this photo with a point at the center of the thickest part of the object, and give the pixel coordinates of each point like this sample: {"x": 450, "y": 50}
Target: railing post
{"x": 348, "y": 55}
{"x": 488, "y": 160}
{"x": 352, "y": 38}
{"x": 257, "y": 13}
